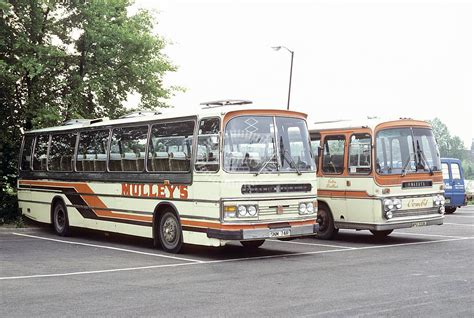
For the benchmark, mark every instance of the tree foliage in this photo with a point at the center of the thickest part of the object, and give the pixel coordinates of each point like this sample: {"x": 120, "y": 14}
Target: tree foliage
{"x": 73, "y": 59}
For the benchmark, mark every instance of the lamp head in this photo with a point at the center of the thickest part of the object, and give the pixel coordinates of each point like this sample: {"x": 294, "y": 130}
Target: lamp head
{"x": 276, "y": 48}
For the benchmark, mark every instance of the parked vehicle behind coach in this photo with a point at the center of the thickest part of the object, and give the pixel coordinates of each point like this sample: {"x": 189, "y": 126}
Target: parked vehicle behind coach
{"x": 454, "y": 185}
{"x": 377, "y": 175}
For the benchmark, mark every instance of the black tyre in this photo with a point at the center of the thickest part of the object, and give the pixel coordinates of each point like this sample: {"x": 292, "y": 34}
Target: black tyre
{"x": 169, "y": 233}
{"x": 450, "y": 210}
{"x": 60, "y": 219}
{"x": 381, "y": 234}
{"x": 252, "y": 244}
{"x": 326, "y": 230}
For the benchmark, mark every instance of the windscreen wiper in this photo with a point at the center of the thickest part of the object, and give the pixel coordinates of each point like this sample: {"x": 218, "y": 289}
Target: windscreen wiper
{"x": 422, "y": 157}
{"x": 404, "y": 172}
{"x": 266, "y": 163}
{"x": 290, "y": 161}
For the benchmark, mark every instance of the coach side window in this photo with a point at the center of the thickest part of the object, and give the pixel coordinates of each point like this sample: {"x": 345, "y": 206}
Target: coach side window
{"x": 41, "y": 150}
{"x": 333, "y": 155}
{"x": 170, "y": 147}
{"x": 61, "y": 152}
{"x": 207, "y": 156}
{"x": 360, "y": 150}
{"x": 26, "y": 155}
{"x": 127, "y": 149}
{"x": 92, "y": 151}
{"x": 315, "y": 144}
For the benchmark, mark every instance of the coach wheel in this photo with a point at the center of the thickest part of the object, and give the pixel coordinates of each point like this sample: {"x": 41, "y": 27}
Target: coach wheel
{"x": 381, "y": 234}
{"x": 60, "y": 220}
{"x": 252, "y": 244}
{"x": 449, "y": 210}
{"x": 326, "y": 224}
{"x": 171, "y": 236}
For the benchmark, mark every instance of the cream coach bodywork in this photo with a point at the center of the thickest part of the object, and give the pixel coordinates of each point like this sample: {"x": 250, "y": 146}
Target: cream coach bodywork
{"x": 113, "y": 202}
{"x": 356, "y": 201}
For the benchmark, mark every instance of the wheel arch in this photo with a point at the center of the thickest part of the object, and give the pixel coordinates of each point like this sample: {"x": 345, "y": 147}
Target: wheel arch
{"x": 157, "y": 213}
{"x": 56, "y": 199}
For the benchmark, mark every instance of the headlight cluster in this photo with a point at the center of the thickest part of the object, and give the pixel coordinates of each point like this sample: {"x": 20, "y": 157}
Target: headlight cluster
{"x": 390, "y": 205}
{"x": 439, "y": 201}
{"x": 240, "y": 211}
{"x": 307, "y": 208}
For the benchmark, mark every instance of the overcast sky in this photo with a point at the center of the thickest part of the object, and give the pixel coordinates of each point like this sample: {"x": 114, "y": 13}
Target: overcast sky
{"x": 352, "y": 58}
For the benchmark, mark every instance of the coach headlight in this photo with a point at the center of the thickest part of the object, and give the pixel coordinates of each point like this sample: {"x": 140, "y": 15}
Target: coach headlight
{"x": 252, "y": 210}
{"x": 439, "y": 200}
{"x": 302, "y": 208}
{"x": 389, "y": 215}
{"x": 242, "y": 211}
{"x": 397, "y": 203}
{"x": 388, "y": 204}
{"x": 310, "y": 207}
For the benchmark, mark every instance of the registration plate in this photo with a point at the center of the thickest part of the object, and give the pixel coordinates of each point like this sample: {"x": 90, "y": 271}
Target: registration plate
{"x": 417, "y": 224}
{"x": 279, "y": 233}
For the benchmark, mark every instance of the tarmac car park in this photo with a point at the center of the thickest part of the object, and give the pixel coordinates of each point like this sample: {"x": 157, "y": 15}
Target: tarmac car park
{"x": 413, "y": 272}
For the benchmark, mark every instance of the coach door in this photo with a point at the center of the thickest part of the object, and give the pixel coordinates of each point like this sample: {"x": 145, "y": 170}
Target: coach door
{"x": 332, "y": 184}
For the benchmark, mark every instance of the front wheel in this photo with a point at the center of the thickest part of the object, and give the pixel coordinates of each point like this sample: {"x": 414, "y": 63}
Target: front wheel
{"x": 60, "y": 220}
{"x": 252, "y": 244}
{"x": 326, "y": 230}
{"x": 381, "y": 234}
{"x": 449, "y": 210}
{"x": 170, "y": 233}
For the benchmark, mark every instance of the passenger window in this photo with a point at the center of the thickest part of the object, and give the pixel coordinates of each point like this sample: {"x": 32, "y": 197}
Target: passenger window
{"x": 26, "y": 155}
{"x": 455, "y": 171}
{"x": 92, "y": 151}
{"x": 170, "y": 147}
{"x": 207, "y": 156}
{"x": 360, "y": 154}
{"x": 127, "y": 149}
{"x": 41, "y": 150}
{"x": 445, "y": 169}
{"x": 333, "y": 155}
{"x": 61, "y": 152}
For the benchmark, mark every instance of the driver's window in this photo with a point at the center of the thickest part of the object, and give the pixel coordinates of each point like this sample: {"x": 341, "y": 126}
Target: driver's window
{"x": 333, "y": 155}
{"x": 207, "y": 155}
{"x": 360, "y": 154}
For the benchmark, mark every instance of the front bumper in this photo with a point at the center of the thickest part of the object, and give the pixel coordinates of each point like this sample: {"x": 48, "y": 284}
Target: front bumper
{"x": 258, "y": 234}
{"x": 399, "y": 224}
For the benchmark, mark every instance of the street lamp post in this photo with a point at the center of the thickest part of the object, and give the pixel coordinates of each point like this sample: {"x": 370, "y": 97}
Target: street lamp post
{"x": 277, "y": 48}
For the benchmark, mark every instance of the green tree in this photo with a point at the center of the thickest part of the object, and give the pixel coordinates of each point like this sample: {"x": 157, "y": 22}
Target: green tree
{"x": 72, "y": 59}
{"x": 449, "y": 146}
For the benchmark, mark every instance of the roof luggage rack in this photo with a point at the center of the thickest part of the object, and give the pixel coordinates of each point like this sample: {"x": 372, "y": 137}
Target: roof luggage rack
{"x": 82, "y": 121}
{"x": 225, "y": 102}
{"x": 140, "y": 114}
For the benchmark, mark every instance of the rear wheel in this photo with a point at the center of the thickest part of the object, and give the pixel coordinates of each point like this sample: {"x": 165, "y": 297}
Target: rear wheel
{"x": 450, "y": 210}
{"x": 326, "y": 230}
{"x": 60, "y": 220}
{"x": 170, "y": 233}
{"x": 381, "y": 234}
{"x": 252, "y": 244}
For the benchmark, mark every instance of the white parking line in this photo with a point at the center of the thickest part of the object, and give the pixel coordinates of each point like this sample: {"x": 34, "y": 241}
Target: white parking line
{"x": 461, "y": 224}
{"x": 231, "y": 260}
{"x": 97, "y": 271}
{"x": 434, "y": 235}
{"x": 461, "y": 216}
{"x": 313, "y": 244}
{"x": 109, "y": 248}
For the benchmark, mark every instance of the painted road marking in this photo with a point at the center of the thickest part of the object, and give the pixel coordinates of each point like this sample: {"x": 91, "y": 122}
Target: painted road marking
{"x": 461, "y": 224}
{"x": 434, "y": 235}
{"x": 231, "y": 260}
{"x": 109, "y": 248}
{"x": 313, "y": 244}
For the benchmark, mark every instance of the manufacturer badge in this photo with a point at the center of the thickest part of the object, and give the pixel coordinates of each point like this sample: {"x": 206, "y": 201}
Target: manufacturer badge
{"x": 280, "y": 209}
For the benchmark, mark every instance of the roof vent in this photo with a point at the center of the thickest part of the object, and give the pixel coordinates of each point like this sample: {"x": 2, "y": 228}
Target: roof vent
{"x": 140, "y": 114}
{"x": 225, "y": 102}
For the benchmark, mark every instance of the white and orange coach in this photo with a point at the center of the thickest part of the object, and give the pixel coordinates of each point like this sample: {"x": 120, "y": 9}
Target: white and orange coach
{"x": 377, "y": 175}
{"x": 224, "y": 174}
